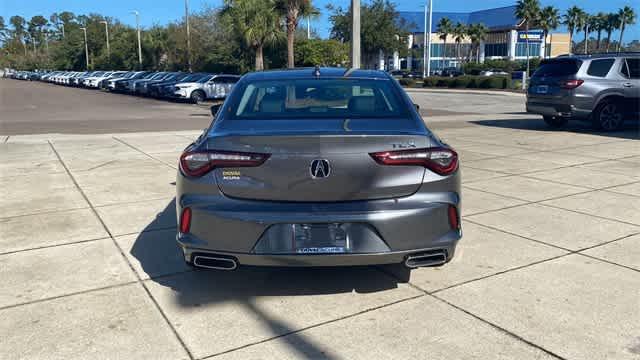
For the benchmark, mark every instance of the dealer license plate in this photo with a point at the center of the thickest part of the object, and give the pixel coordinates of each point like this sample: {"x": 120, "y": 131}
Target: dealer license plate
{"x": 319, "y": 239}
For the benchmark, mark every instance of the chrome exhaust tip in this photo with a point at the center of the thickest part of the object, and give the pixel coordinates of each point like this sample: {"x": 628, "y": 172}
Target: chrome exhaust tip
{"x": 426, "y": 258}
{"x": 215, "y": 262}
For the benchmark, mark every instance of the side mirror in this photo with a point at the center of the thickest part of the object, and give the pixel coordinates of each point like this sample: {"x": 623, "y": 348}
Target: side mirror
{"x": 215, "y": 108}
{"x": 417, "y": 107}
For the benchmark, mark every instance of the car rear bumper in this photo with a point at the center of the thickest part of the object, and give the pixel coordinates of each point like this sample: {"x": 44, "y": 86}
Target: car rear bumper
{"x": 448, "y": 244}
{"x": 556, "y": 109}
{"x": 399, "y": 227}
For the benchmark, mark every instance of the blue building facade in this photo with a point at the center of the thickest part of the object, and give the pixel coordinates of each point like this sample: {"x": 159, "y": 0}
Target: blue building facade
{"x": 506, "y": 39}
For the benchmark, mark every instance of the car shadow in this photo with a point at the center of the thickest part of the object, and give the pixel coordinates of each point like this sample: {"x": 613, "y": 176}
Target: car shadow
{"x": 161, "y": 259}
{"x": 630, "y": 130}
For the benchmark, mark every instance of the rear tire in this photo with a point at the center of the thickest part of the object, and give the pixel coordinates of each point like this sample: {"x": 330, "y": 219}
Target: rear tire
{"x": 197, "y": 96}
{"x": 555, "y": 121}
{"x": 608, "y": 116}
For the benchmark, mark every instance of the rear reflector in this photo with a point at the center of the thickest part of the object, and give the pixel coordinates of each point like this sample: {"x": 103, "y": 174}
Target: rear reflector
{"x": 453, "y": 218}
{"x": 185, "y": 220}
{"x": 201, "y": 162}
{"x": 442, "y": 161}
{"x": 570, "y": 84}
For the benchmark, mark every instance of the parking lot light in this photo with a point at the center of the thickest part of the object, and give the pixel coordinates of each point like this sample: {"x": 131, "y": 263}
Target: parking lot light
{"x": 86, "y": 46}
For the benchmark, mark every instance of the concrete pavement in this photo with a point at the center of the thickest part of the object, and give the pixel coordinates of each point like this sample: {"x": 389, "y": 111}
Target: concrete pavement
{"x": 548, "y": 267}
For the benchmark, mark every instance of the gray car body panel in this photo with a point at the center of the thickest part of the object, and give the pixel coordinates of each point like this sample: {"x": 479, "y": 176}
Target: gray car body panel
{"x": 407, "y": 206}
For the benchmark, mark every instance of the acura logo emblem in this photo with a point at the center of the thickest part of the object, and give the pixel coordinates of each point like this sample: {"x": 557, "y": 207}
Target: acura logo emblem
{"x": 319, "y": 168}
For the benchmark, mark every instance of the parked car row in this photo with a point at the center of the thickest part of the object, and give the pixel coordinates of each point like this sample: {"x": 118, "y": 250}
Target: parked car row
{"x": 195, "y": 87}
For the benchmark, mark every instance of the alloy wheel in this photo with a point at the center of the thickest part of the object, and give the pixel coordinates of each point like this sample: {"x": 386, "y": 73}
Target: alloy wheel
{"x": 610, "y": 117}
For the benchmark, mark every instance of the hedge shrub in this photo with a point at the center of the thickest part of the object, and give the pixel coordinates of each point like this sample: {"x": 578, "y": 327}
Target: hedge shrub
{"x": 469, "y": 82}
{"x": 407, "y": 82}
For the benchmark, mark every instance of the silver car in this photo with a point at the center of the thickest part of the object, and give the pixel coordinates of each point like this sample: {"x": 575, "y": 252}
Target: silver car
{"x": 603, "y": 89}
{"x": 211, "y": 87}
{"x": 318, "y": 167}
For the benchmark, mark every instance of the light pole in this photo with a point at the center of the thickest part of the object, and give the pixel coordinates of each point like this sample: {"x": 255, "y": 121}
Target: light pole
{"x": 86, "y": 47}
{"x": 186, "y": 15}
{"x": 62, "y": 25}
{"x": 139, "y": 44}
{"x": 355, "y": 34}
{"x": 308, "y": 28}
{"x": 106, "y": 30}
{"x": 426, "y": 43}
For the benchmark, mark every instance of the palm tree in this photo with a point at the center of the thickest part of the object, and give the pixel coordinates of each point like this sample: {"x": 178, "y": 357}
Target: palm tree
{"x": 549, "y": 20}
{"x": 477, "y": 34}
{"x": 572, "y": 20}
{"x": 627, "y": 17}
{"x": 600, "y": 22}
{"x": 459, "y": 33}
{"x": 292, "y": 11}
{"x": 585, "y": 25}
{"x": 445, "y": 27}
{"x": 613, "y": 22}
{"x": 529, "y": 12}
{"x": 257, "y": 22}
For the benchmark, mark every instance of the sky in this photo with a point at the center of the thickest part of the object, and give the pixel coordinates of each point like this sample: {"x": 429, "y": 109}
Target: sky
{"x": 164, "y": 11}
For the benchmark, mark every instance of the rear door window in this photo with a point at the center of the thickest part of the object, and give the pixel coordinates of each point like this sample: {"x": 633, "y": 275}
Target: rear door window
{"x": 558, "y": 67}
{"x": 632, "y": 68}
{"x": 600, "y": 67}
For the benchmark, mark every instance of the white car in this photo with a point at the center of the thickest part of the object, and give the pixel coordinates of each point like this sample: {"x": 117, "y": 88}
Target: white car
{"x": 93, "y": 81}
{"x": 492, "y": 72}
{"x": 208, "y": 87}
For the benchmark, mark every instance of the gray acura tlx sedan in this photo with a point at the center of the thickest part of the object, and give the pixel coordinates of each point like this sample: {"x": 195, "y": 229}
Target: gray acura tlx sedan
{"x": 318, "y": 167}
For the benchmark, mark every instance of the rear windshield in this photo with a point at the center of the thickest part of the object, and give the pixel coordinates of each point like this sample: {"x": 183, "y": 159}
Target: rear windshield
{"x": 316, "y": 98}
{"x": 558, "y": 67}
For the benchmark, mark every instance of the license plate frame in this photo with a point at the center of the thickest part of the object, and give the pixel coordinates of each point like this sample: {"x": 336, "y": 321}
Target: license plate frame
{"x": 542, "y": 89}
{"x": 319, "y": 239}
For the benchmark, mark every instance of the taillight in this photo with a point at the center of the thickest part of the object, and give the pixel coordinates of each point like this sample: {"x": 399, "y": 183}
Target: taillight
{"x": 442, "y": 161}
{"x": 570, "y": 84}
{"x": 201, "y": 162}
{"x": 185, "y": 220}
{"x": 454, "y": 221}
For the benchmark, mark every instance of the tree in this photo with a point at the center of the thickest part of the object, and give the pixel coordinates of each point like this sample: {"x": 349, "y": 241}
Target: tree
{"x": 612, "y": 23}
{"x": 257, "y": 23}
{"x": 600, "y": 22}
{"x": 585, "y": 25}
{"x": 459, "y": 33}
{"x": 18, "y": 24}
{"x": 292, "y": 11}
{"x": 477, "y": 34}
{"x": 35, "y": 28}
{"x": 549, "y": 20}
{"x": 445, "y": 27}
{"x": 4, "y": 31}
{"x": 380, "y": 29}
{"x": 529, "y": 12}
{"x": 572, "y": 20}
{"x": 321, "y": 52}
{"x": 627, "y": 17}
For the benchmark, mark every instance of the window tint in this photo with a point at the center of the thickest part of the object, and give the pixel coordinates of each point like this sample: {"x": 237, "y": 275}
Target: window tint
{"x": 317, "y": 98}
{"x": 632, "y": 70}
{"x": 600, "y": 67}
{"x": 558, "y": 67}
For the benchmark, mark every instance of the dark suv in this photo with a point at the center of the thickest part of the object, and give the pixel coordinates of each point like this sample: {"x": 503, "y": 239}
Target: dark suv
{"x": 603, "y": 89}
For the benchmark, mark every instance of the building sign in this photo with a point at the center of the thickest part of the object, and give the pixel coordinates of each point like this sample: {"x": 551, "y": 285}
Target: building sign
{"x": 533, "y": 36}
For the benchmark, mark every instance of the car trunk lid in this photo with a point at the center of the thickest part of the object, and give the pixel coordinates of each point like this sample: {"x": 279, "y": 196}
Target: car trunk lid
{"x": 340, "y": 148}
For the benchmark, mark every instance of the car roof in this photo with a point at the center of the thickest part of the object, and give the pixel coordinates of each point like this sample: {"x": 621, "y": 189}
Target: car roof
{"x": 309, "y": 73}
{"x": 598, "y": 55}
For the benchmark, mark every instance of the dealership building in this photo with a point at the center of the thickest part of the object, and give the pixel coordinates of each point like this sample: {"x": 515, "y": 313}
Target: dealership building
{"x": 506, "y": 39}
